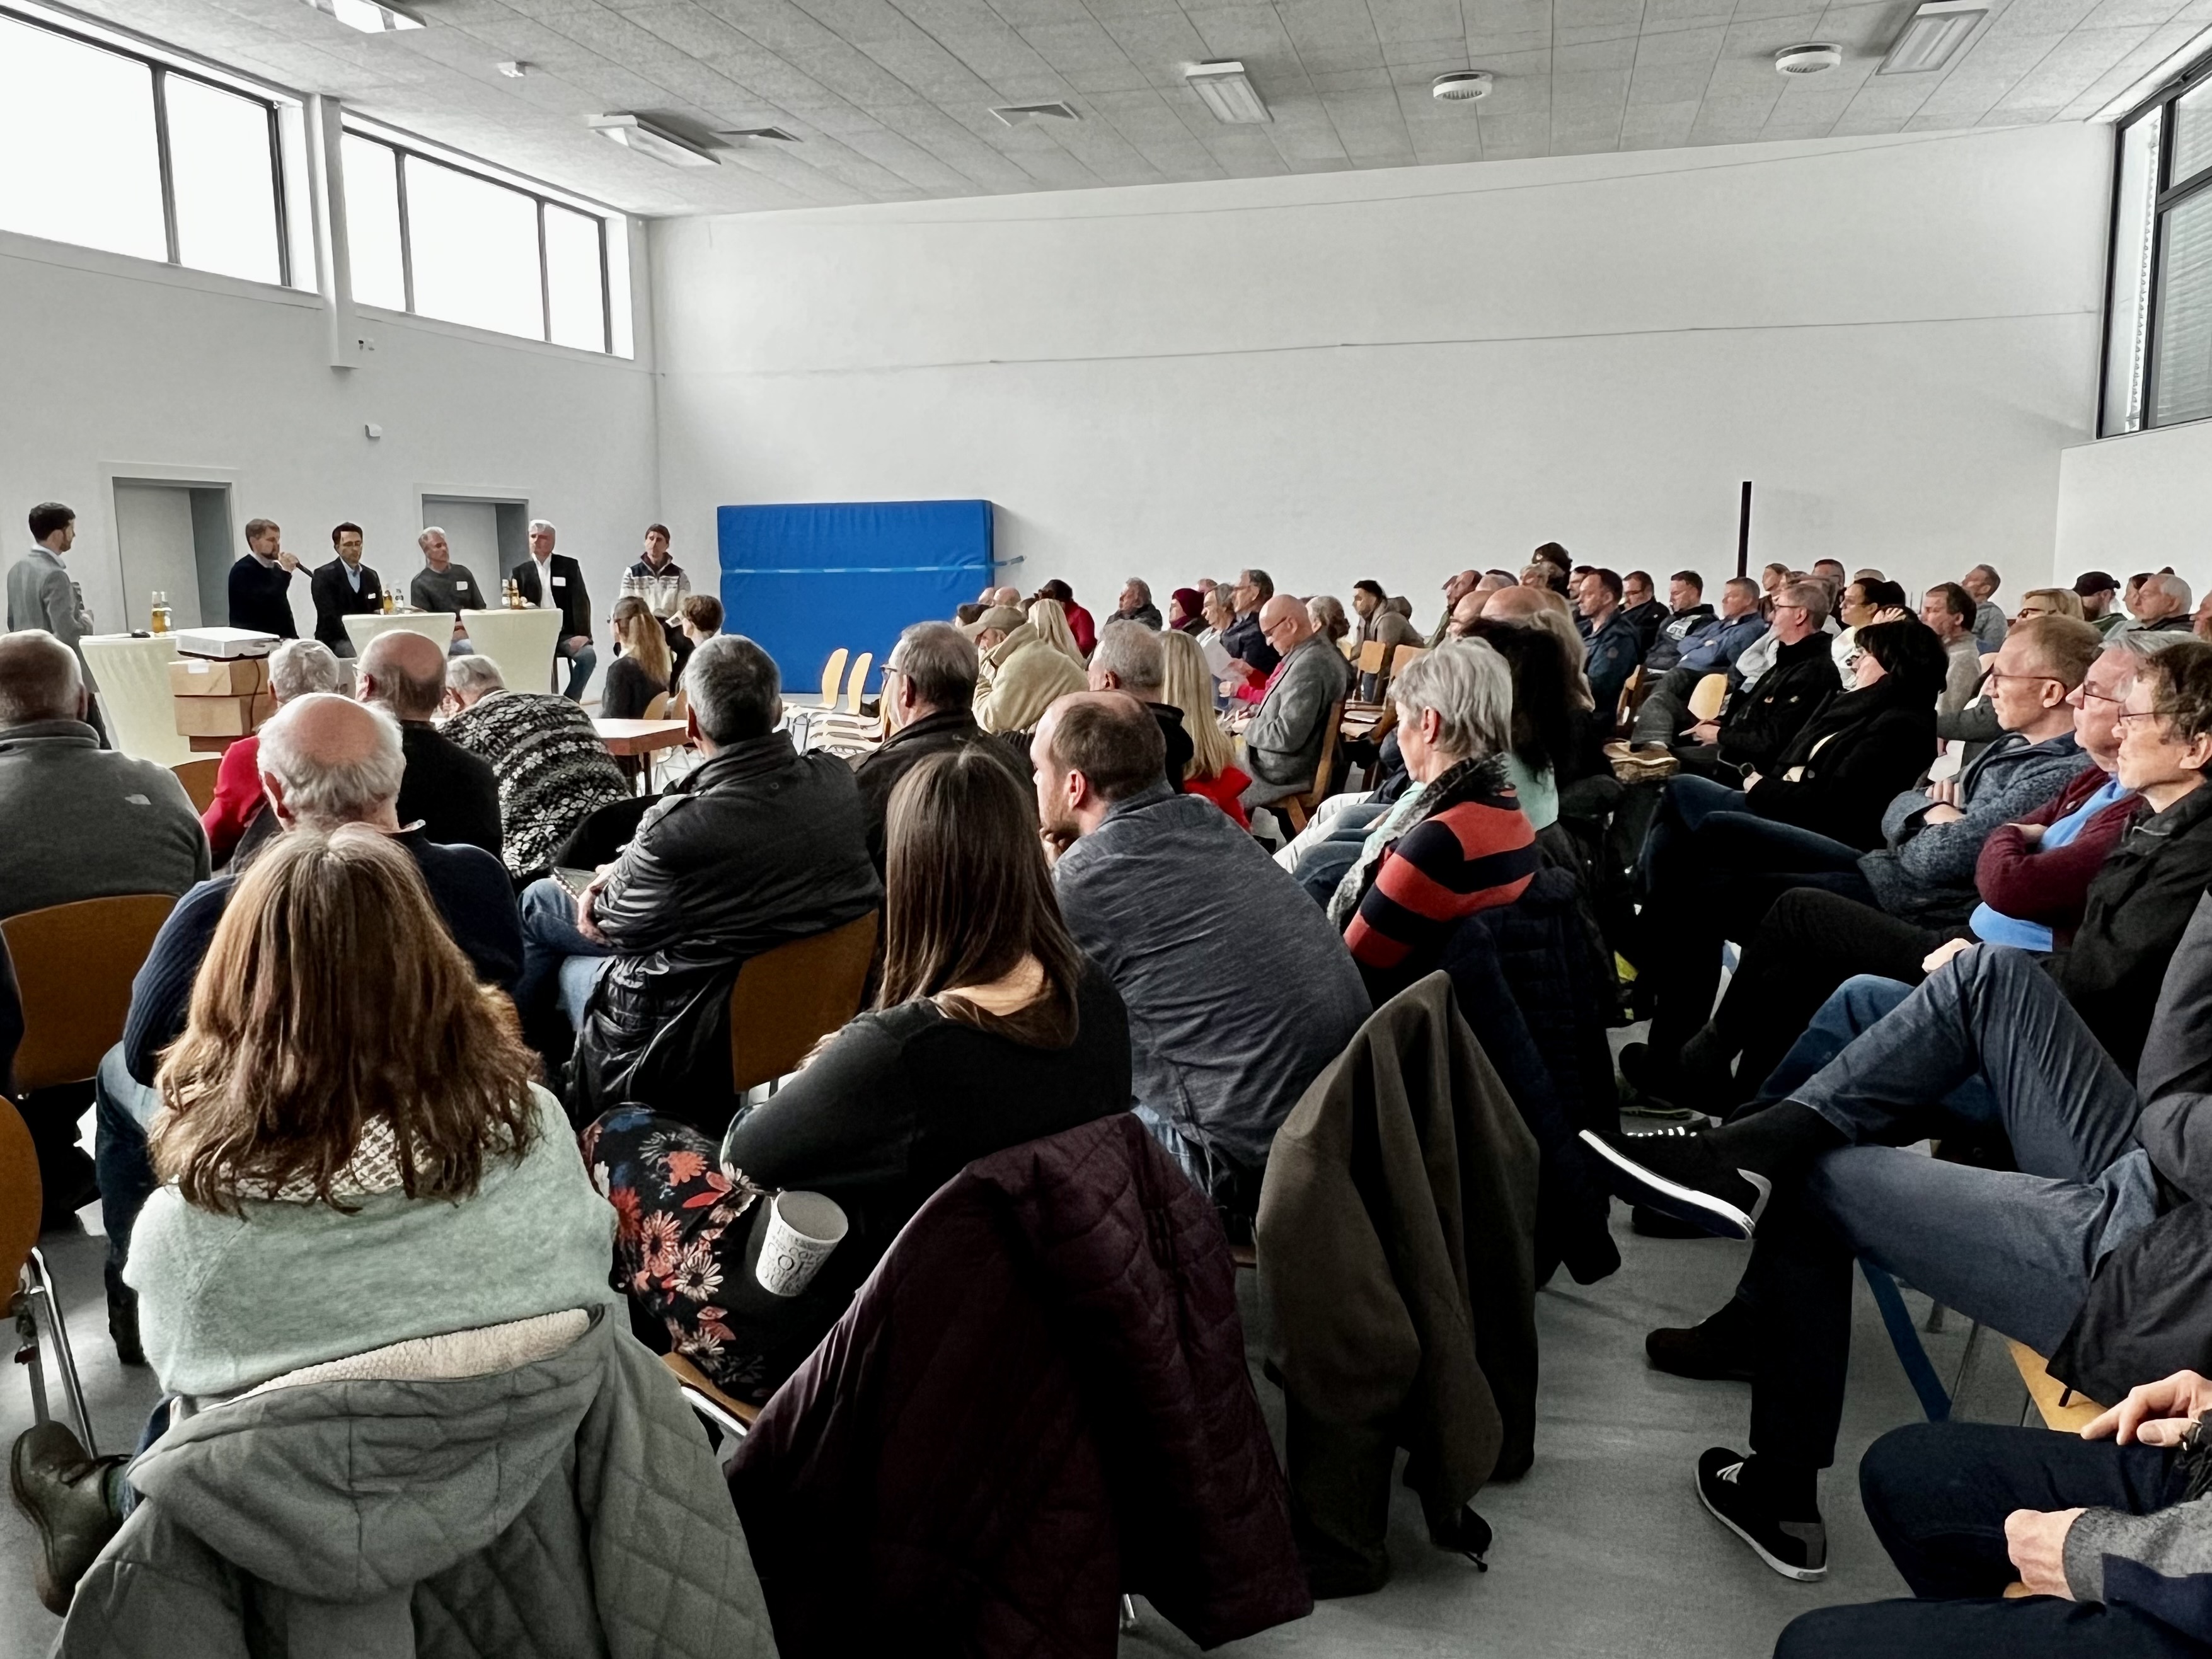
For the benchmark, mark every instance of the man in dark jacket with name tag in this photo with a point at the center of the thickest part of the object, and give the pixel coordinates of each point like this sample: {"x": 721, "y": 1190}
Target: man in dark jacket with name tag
{"x": 343, "y": 588}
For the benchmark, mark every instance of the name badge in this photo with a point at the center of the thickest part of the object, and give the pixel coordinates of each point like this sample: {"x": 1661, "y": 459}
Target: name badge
{"x": 460, "y": 587}
{"x": 560, "y": 581}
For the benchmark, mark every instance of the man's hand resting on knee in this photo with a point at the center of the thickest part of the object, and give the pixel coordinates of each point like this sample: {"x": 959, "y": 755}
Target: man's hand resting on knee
{"x": 2036, "y": 1541}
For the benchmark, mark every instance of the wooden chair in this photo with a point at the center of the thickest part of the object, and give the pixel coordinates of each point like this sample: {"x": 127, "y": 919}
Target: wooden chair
{"x": 2059, "y": 1406}
{"x": 23, "y": 1270}
{"x": 197, "y": 776}
{"x": 858, "y": 685}
{"x": 74, "y": 965}
{"x": 658, "y": 708}
{"x": 1707, "y": 696}
{"x": 679, "y": 705}
{"x": 1624, "y": 711}
{"x": 787, "y": 999}
{"x": 833, "y": 676}
{"x": 1300, "y": 807}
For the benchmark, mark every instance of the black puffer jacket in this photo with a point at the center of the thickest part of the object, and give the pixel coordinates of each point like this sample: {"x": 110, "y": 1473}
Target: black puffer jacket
{"x": 1758, "y": 724}
{"x": 1860, "y": 749}
{"x": 758, "y": 847}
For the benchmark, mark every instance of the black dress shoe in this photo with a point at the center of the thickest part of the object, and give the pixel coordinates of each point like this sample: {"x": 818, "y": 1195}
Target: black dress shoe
{"x": 1716, "y": 1349}
{"x": 122, "y": 1329}
{"x": 63, "y": 1492}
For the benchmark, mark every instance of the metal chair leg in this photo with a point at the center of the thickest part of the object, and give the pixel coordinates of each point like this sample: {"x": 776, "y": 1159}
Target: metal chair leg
{"x": 36, "y": 1282}
{"x": 1128, "y": 1615}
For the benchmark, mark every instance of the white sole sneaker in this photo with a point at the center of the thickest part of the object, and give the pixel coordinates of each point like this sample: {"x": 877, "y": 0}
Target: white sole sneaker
{"x": 1640, "y": 1185}
{"x": 1801, "y": 1575}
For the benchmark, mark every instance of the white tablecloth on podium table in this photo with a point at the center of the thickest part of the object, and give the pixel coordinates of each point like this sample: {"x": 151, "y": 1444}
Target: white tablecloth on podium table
{"x": 133, "y": 676}
{"x": 521, "y": 641}
{"x": 435, "y": 626}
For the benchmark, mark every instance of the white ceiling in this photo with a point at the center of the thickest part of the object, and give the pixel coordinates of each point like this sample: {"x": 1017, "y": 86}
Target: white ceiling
{"x": 891, "y": 99}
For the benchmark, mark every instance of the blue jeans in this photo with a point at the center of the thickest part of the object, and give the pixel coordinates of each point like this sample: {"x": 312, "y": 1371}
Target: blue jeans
{"x": 122, "y": 1107}
{"x": 1857, "y": 1003}
{"x": 2014, "y": 1249}
{"x": 1938, "y": 1494}
{"x": 580, "y": 664}
{"x": 560, "y": 966}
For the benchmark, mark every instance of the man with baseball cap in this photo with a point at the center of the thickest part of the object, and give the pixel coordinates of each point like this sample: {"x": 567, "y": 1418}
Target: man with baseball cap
{"x": 2097, "y": 590}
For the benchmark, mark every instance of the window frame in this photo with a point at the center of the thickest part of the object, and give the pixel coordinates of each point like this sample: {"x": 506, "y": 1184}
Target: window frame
{"x": 404, "y": 152}
{"x": 2166, "y": 194}
{"x": 272, "y": 107}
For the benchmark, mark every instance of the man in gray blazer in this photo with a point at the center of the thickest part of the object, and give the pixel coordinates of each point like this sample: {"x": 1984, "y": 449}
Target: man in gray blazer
{"x": 1283, "y": 744}
{"x": 41, "y": 595}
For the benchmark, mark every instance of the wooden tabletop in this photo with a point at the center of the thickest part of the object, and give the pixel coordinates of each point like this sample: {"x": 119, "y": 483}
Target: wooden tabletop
{"x": 640, "y": 737}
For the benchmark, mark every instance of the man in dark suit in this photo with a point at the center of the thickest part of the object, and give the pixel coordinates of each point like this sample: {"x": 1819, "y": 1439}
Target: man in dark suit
{"x": 547, "y": 577}
{"x": 261, "y": 582}
{"x": 343, "y": 588}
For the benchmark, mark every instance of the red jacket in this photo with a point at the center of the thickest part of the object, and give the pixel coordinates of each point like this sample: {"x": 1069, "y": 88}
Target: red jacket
{"x": 237, "y": 797}
{"x": 2052, "y": 888}
{"x": 1080, "y": 625}
{"x": 1038, "y": 1401}
{"x": 1223, "y": 792}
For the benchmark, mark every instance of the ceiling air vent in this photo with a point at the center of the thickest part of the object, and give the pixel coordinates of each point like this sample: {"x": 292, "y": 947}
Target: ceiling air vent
{"x": 1460, "y": 86}
{"x": 776, "y": 133}
{"x": 1015, "y": 114}
{"x": 1815, "y": 57}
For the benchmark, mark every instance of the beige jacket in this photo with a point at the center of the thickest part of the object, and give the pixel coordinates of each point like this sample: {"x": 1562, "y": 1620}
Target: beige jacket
{"x": 1022, "y": 676}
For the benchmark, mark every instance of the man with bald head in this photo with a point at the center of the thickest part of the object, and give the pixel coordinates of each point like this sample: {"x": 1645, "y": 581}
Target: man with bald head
{"x": 1456, "y": 587}
{"x": 76, "y": 822}
{"x": 453, "y": 794}
{"x": 324, "y": 761}
{"x": 1283, "y": 744}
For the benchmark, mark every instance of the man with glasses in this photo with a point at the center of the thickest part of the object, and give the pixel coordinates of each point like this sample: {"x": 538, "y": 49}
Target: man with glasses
{"x": 1250, "y": 656}
{"x": 1760, "y": 719}
{"x": 2090, "y": 1251}
{"x": 929, "y": 694}
{"x": 1283, "y": 744}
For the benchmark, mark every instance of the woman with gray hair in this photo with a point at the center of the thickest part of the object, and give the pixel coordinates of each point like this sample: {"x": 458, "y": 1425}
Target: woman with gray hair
{"x": 296, "y": 668}
{"x": 1456, "y": 843}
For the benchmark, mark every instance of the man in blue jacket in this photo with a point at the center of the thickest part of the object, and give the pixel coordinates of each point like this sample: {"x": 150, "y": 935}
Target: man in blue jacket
{"x": 1712, "y": 650}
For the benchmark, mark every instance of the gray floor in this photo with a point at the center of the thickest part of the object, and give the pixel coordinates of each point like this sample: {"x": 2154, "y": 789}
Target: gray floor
{"x": 1602, "y": 1549}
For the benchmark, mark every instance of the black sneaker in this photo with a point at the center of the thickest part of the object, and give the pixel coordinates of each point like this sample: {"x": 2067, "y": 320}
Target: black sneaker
{"x": 1675, "y": 1172}
{"x": 1795, "y": 1549}
{"x": 122, "y": 1329}
{"x": 64, "y": 1493}
{"x": 1716, "y": 1349}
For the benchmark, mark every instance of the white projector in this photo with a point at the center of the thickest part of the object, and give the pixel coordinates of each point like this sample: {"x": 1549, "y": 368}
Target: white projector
{"x": 225, "y": 642}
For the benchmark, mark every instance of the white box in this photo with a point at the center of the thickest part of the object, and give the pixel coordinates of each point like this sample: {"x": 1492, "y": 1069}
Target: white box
{"x": 226, "y": 642}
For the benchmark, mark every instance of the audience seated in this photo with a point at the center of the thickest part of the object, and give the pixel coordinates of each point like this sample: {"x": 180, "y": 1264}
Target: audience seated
{"x": 1681, "y": 618}
{"x": 929, "y": 690}
{"x": 990, "y": 1029}
{"x": 1187, "y": 917}
{"x": 1130, "y": 659}
{"x": 1458, "y": 587}
{"x": 2048, "y": 601}
{"x": 1641, "y": 605}
{"x": 1212, "y": 771}
{"x": 1708, "y": 648}
{"x": 759, "y": 846}
{"x": 1548, "y": 747}
{"x": 1049, "y": 618}
{"x": 552, "y": 770}
{"x": 1542, "y": 608}
{"x": 643, "y": 666}
{"x": 296, "y": 668}
{"x": 1284, "y": 742}
{"x": 2098, "y": 590}
{"x": 1021, "y": 672}
{"x": 452, "y": 793}
{"x": 1949, "y": 610}
{"x": 1765, "y": 710}
{"x": 2161, "y": 603}
{"x": 1611, "y": 646}
{"x": 413, "y": 1182}
{"x": 1252, "y": 657}
{"x": 1080, "y": 628}
{"x": 1459, "y": 842}
{"x": 2091, "y": 1251}
{"x": 1136, "y": 604}
{"x": 1375, "y": 621}
{"x": 1186, "y": 610}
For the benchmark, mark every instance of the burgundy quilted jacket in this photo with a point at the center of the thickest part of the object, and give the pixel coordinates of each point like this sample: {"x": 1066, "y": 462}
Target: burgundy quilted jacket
{"x": 1038, "y": 1401}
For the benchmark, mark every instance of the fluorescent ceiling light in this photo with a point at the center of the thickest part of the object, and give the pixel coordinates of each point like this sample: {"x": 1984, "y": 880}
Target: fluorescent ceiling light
{"x": 636, "y": 132}
{"x": 369, "y": 17}
{"x": 1931, "y": 35}
{"x": 776, "y": 133}
{"x": 2156, "y": 80}
{"x": 1228, "y": 92}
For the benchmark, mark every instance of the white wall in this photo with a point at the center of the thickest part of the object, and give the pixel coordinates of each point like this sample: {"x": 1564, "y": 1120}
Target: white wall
{"x": 2140, "y": 502}
{"x": 114, "y": 368}
{"x": 1398, "y": 373}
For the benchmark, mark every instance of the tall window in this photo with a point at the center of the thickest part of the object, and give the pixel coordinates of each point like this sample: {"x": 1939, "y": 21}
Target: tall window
{"x": 440, "y": 240}
{"x": 2158, "y": 338}
{"x": 105, "y": 148}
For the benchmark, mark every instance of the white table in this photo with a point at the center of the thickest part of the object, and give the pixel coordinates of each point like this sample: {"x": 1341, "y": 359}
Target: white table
{"x": 520, "y": 641}
{"x": 133, "y": 676}
{"x": 435, "y": 626}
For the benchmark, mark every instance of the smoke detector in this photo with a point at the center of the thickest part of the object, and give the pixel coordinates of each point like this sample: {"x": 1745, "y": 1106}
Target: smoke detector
{"x": 1814, "y": 58}
{"x": 1460, "y": 86}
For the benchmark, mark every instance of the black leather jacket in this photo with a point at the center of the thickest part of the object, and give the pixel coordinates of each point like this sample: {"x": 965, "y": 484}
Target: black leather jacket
{"x": 758, "y": 847}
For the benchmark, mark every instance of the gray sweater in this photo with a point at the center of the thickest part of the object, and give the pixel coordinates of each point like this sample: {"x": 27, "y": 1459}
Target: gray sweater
{"x": 1926, "y": 872}
{"x": 1238, "y": 989}
{"x": 81, "y": 821}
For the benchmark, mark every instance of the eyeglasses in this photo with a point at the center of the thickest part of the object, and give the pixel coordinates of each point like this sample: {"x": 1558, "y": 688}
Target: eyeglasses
{"x": 1997, "y": 674}
{"x": 2130, "y": 716}
{"x": 2083, "y": 692}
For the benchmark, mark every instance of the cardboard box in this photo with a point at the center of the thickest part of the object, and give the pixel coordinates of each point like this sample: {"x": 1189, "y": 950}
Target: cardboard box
{"x": 210, "y": 677}
{"x": 222, "y": 717}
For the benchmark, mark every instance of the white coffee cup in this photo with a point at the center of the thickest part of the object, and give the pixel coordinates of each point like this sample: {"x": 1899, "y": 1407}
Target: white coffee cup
{"x": 803, "y": 1228}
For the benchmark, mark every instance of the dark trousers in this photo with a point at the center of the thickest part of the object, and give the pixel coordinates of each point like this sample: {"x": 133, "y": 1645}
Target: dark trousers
{"x": 1665, "y": 714}
{"x": 1811, "y": 942}
{"x": 125, "y": 1163}
{"x": 2014, "y": 1250}
{"x": 1710, "y": 869}
{"x": 1938, "y": 1494}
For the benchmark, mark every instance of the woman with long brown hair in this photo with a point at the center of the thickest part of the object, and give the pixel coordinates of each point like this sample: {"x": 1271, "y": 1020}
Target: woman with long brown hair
{"x": 991, "y": 1029}
{"x": 354, "y": 1151}
{"x": 640, "y": 672}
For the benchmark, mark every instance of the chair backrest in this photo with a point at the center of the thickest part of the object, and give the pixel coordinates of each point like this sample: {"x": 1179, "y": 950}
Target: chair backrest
{"x": 658, "y": 708}
{"x": 20, "y": 1195}
{"x": 1629, "y": 689}
{"x": 74, "y": 965}
{"x": 858, "y": 682}
{"x": 1407, "y": 657}
{"x": 1327, "y": 759}
{"x": 197, "y": 776}
{"x": 679, "y": 705}
{"x": 1371, "y": 657}
{"x": 787, "y": 999}
{"x": 833, "y": 676}
{"x": 602, "y": 835}
{"x": 1707, "y": 696}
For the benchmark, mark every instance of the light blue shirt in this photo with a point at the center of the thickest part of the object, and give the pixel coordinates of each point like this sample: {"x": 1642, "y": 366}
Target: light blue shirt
{"x": 1995, "y": 927}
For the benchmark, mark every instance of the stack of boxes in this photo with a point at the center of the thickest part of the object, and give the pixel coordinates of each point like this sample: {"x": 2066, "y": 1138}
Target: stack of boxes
{"x": 220, "y": 697}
